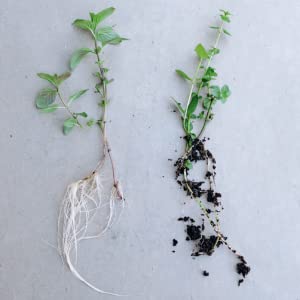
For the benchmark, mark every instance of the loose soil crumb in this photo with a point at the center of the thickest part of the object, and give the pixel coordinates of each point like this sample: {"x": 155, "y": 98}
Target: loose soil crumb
{"x": 174, "y": 242}
{"x": 242, "y": 269}
{"x": 205, "y": 273}
{"x": 193, "y": 232}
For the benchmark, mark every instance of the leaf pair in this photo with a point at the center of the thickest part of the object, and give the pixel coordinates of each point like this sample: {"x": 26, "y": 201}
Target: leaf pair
{"x": 55, "y": 80}
{"x": 95, "y": 20}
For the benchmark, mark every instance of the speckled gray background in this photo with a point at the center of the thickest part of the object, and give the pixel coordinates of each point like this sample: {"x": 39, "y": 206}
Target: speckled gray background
{"x": 255, "y": 138}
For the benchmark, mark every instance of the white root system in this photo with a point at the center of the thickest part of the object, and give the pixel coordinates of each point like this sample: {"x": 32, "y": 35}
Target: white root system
{"x": 82, "y": 203}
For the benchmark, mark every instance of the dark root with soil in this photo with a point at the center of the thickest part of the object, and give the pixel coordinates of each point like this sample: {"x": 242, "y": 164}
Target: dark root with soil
{"x": 210, "y": 203}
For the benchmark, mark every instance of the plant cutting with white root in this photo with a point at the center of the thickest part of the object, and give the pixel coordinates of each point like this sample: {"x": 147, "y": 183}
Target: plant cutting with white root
{"x": 93, "y": 197}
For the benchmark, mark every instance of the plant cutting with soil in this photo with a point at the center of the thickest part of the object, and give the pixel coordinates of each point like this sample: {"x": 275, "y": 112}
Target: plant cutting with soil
{"x": 198, "y": 111}
{"x": 83, "y": 199}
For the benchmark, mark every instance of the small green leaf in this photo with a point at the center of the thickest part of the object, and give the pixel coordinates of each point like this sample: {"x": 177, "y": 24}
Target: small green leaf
{"x": 102, "y": 103}
{"x": 61, "y": 78}
{"x": 202, "y": 115}
{"x": 77, "y": 56}
{"x": 193, "y": 104}
{"x": 101, "y": 16}
{"x": 76, "y": 96}
{"x": 107, "y": 35}
{"x": 84, "y": 24}
{"x": 188, "y": 126}
{"x": 213, "y": 51}
{"x": 214, "y": 27}
{"x": 225, "y": 93}
{"x": 48, "y": 77}
{"x": 226, "y": 32}
{"x": 50, "y": 108}
{"x": 225, "y": 12}
{"x": 82, "y": 114}
{"x": 225, "y": 18}
{"x": 188, "y": 164}
{"x": 206, "y": 103}
{"x": 179, "y": 107}
{"x": 90, "y": 122}
{"x": 201, "y": 52}
{"x": 215, "y": 91}
{"x": 183, "y": 75}
{"x": 211, "y": 72}
{"x": 69, "y": 125}
{"x": 45, "y": 98}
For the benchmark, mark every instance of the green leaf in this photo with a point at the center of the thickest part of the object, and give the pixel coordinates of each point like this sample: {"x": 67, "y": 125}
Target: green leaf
{"x": 90, "y": 122}
{"x": 45, "y": 98}
{"x": 215, "y": 91}
{"x": 188, "y": 164}
{"x": 69, "y": 125}
{"x": 55, "y": 79}
{"x": 82, "y": 114}
{"x": 101, "y": 16}
{"x": 76, "y": 96}
{"x": 193, "y": 104}
{"x": 225, "y": 18}
{"x": 103, "y": 103}
{"x": 188, "y": 126}
{"x": 201, "y": 52}
{"x": 211, "y": 72}
{"x": 183, "y": 75}
{"x": 202, "y": 115}
{"x": 214, "y": 27}
{"x": 226, "y": 32}
{"x": 77, "y": 56}
{"x": 225, "y": 93}
{"x": 213, "y": 51}
{"x": 61, "y": 78}
{"x": 206, "y": 103}
{"x": 225, "y": 12}
{"x": 84, "y": 24}
{"x": 48, "y": 77}
{"x": 107, "y": 35}
{"x": 179, "y": 107}
{"x": 50, "y": 108}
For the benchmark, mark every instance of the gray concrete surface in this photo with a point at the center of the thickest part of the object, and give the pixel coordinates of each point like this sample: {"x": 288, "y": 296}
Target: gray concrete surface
{"x": 255, "y": 138}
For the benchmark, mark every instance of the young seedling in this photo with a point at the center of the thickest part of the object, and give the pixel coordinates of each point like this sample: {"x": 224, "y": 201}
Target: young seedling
{"x": 83, "y": 198}
{"x": 201, "y": 100}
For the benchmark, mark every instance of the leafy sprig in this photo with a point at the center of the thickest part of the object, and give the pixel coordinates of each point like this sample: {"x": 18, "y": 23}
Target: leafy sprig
{"x": 203, "y": 94}
{"x": 46, "y": 100}
{"x": 101, "y": 36}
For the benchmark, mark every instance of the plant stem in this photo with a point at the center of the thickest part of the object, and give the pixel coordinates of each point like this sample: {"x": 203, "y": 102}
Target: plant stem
{"x": 201, "y": 85}
{"x": 103, "y": 121}
{"x": 68, "y": 108}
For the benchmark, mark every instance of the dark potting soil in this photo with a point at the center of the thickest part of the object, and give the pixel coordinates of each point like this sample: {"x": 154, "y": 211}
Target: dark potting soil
{"x": 242, "y": 269}
{"x": 185, "y": 219}
{"x": 193, "y": 232}
{"x": 174, "y": 242}
{"x": 240, "y": 281}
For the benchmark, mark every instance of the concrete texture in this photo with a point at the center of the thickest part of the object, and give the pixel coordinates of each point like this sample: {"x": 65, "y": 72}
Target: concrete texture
{"x": 255, "y": 138}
